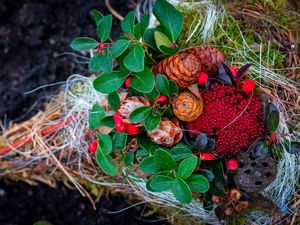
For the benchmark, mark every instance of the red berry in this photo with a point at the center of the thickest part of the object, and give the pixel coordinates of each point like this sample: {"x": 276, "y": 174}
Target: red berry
{"x": 118, "y": 118}
{"x": 161, "y": 99}
{"x": 100, "y": 51}
{"x": 127, "y": 82}
{"x": 206, "y": 156}
{"x": 248, "y": 86}
{"x": 132, "y": 129}
{"x": 234, "y": 70}
{"x": 202, "y": 78}
{"x": 120, "y": 127}
{"x": 101, "y": 45}
{"x": 93, "y": 146}
{"x": 232, "y": 164}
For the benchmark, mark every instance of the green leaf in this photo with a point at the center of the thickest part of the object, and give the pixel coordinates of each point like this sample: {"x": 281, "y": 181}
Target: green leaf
{"x": 104, "y": 143}
{"x": 141, "y": 153}
{"x": 138, "y": 31}
{"x": 173, "y": 87}
{"x": 208, "y": 174}
{"x": 145, "y": 143}
{"x": 119, "y": 47}
{"x": 148, "y": 165}
{"x": 169, "y": 18}
{"x": 164, "y": 44}
{"x": 140, "y": 114}
{"x": 162, "y": 83}
{"x": 149, "y": 38}
{"x": 96, "y": 15}
{"x": 164, "y": 160}
{"x": 153, "y": 94}
{"x": 106, "y": 163}
{"x": 114, "y": 100}
{"x": 101, "y": 62}
{"x": 127, "y": 23}
{"x": 161, "y": 183}
{"x": 180, "y": 151}
{"x": 83, "y": 43}
{"x": 272, "y": 117}
{"x": 107, "y": 121}
{"x": 104, "y": 27}
{"x": 95, "y": 116}
{"x": 134, "y": 61}
{"x": 198, "y": 183}
{"x": 187, "y": 166}
{"x": 123, "y": 72}
{"x": 108, "y": 82}
{"x": 144, "y": 23}
{"x": 119, "y": 141}
{"x": 219, "y": 181}
{"x": 143, "y": 81}
{"x": 181, "y": 191}
{"x": 128, "y": 159}
{"x": 152, "y": 121}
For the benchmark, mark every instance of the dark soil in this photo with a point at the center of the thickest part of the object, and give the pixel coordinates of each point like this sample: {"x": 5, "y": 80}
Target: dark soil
{"x": 22, "y": 204}
{"x": 32, "y": 34}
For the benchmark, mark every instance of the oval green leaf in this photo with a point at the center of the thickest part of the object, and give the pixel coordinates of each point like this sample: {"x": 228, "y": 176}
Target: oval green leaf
{"x": 101, "y": 63}
{"x": 134, "y": 60}
{"x": 180, "y": 151}
{"x": 169, "y": 18}
{"x": 198, "y": 183}
{"x": 114, "y": 100}
{"x": 148, "y": 165}
{"x": 108, "y": 82}
{"x": 119, "y": 47}
{"x": 161, "y": 183}
{"x": 140, "y": 114}
{"x": 162, "y": 84}
{"x": 104, "y": 143}
{"x": 106, "y": 163}
{"x": 181, "y": 191}
{"x": 95, "y": 116}
{"x": 152, "y": 121}
{"x": 164, "y": 160}
{"x": 127, "y": 23}
{"x": 187, "y": 166}
{"x": 119, "y": 141}
{"x": 83, "y": 43}
{"x": 104, "y": 27}
{"x": 143, "y": 81}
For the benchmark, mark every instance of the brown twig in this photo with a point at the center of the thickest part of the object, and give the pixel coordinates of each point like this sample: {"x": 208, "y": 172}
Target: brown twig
{"x": 114, "y": 12}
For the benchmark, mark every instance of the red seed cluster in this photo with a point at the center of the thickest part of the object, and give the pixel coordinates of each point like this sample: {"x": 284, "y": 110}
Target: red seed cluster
{"x": 233, "y": 119}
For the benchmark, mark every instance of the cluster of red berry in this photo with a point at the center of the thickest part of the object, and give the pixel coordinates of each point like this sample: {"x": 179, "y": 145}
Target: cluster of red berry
{"x": 235, "y": 120}
{"x": 100, "y": 48}
{"x": 122, "y": 127}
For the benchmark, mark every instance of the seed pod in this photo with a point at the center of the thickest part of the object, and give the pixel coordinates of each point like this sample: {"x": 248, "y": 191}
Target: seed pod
{"x": 244, "y": 204}
{"x": 239, "y": 207}
{"x": 216, "y": 199}
{"x": 228, "y": 211}
{"x": 234, "y": 195}
{"x": 169, "y": 132}
{"x": 187, "y": 107}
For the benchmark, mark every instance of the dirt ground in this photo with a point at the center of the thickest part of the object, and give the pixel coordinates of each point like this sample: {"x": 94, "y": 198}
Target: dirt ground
{"x": 33, "y": 36}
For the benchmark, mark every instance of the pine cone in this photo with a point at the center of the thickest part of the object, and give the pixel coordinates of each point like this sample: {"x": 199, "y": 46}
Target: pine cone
{"x": 185, "y": 66}
{"x": 187, "y": 107}
{"x": 209, "y": 58}
{"x": 168, "y": 132}
{"x": 129, "y": 105}
{"x": 182, "y": 68}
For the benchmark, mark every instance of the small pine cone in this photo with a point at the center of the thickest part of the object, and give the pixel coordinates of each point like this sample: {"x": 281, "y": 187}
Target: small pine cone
{"x": 169, "y": 132}
{"x": 129, "y": 105}
{"x": 187, "y": 107}
{"x": 209, "y": 58}
{"x": 183, "y": 68}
